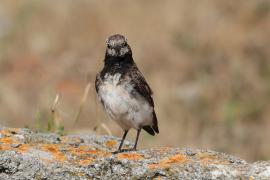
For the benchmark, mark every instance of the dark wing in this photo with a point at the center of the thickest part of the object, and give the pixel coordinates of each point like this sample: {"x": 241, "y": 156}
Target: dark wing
{"x": 141, "y": 86}
{"x": 97, "y": 84}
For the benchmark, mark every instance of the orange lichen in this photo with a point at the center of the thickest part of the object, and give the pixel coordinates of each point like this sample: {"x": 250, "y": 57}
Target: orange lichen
{"x": 99, "y": 153}
{"x": 81, "y": 150}
{"x": 110, "y": 143}
{"x": 23, "y": 148}
{"x": 54, "y": 150}
{"x": 7, "y": 143}
{"x": 85, "y": 161}
{"x": 5, "y": 132}
{"x": 60, "y": 157}
{"x": 4, "y": 147}
{"x": 130, "y": 156}
{"x": 77, "y": 151}
{"x": 8, "y": 132}
{"x": 103, "y": 153}
{"x": 84, "y": 150}
{"x": 80, "y": 174}
{"x": 166, "y": 162}
{"x": 8, "y": 140}
{"x": 206, "y": 158}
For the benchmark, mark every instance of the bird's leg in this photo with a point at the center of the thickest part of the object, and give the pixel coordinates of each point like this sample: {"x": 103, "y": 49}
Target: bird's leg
{"x": 121, "y": 143}
{"x": 137, "y": 138}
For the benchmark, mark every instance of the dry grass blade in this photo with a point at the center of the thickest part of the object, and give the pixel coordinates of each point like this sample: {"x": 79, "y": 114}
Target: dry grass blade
{"x": 55, "y": 103}
{"x": 83, "y": 100}
{"x": 106, "y": 128}
{"x": 51, "y": 122}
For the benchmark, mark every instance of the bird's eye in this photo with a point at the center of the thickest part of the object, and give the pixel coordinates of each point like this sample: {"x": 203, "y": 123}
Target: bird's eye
{"x": 109, "y": 46}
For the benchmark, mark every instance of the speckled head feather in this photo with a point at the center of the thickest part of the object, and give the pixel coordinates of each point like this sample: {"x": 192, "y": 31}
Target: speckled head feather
{"x": 117, "y": 46}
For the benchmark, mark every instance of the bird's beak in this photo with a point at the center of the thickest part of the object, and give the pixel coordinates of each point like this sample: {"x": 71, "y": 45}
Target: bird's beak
{"x": 118, "y": 49}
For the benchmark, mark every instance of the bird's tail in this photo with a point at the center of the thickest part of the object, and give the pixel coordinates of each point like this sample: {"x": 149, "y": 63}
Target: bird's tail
{"x": 155, "y": 123}
{"x": 154, "y": 128}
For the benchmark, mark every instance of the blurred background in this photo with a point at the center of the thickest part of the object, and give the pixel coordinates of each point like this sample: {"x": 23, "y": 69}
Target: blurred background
{"x": 206, "y": 61}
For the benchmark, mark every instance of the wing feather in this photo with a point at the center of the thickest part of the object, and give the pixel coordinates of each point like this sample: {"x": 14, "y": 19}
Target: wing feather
{"x": 141, "y": 86}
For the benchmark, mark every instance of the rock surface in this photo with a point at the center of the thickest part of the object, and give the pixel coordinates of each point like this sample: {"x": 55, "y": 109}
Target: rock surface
{"x": 28, "y": 155}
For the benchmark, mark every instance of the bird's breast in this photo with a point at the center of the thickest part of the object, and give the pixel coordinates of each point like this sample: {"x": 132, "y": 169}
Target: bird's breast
{"x": 115, "y": 95}
{"x": 120, "y": 103}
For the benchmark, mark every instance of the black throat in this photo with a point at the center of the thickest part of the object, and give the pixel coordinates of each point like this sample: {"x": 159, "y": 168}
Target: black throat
{"x": 113, "y": 65}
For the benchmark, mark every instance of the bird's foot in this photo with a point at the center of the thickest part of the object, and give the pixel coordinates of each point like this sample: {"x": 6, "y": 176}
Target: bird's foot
{"x": 116, "y": 152}
{"x": 124, "y": 150}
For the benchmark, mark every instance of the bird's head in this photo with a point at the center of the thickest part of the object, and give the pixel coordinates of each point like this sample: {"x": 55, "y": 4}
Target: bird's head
{"x": 117, "y": 46}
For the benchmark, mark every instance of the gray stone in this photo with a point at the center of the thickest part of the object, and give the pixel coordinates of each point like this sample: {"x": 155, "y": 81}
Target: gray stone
{"x": 31, "y": 155}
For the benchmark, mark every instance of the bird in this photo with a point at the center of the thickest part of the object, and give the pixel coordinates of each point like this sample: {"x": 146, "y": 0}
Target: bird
{"x": 124, "y": 92}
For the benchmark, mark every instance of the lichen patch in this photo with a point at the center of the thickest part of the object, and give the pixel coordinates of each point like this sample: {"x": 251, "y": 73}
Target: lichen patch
{"x": 8, "y": 140}
{"x": 23, "y": 148}
{"x": 5, "y": 132}
{"x": 54, "y": 150}
{"x": 85, "y": 161}
{"x": 5, "y": 147}
{"x": 207, "y": 158}
{"x": 110, "y": 143}
{"x": 9, "y": 132}
{"x": 130, "y": 156}
{"x": 167, "y": 162}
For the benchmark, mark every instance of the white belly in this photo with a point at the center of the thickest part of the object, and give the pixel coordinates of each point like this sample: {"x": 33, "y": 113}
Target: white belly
{"x": 125, "y": 109}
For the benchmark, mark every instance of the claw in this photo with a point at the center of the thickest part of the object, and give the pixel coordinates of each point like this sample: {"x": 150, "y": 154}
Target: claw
{"x": 116, "y": 152}
{"x": 124, "y": 150}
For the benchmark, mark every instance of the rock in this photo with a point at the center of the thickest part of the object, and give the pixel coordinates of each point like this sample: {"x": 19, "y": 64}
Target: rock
{"x": 28, "y": 155}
